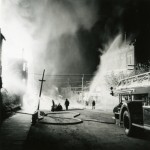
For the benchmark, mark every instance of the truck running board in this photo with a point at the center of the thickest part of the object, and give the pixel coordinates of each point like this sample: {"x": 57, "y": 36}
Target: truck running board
{"x": 141, "y": 126}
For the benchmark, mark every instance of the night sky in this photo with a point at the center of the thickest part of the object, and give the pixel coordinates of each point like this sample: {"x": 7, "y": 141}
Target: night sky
{"x": 118, "y": 16}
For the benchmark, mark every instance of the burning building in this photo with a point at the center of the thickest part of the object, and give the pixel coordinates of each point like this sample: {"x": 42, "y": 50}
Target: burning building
{"x": 13, "y": 79}
{"x": 1, "y": 41}
{"x": 16, "y": 81}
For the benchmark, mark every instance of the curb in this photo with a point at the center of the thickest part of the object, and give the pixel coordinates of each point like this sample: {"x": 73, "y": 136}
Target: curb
{"x": 67, "y": 123}
{"x": 77, "y": 121}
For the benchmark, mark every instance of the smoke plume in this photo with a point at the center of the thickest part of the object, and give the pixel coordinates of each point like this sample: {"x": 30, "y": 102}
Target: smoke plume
{"x": 44, "y": 33}
{"x": 46, "y": 30}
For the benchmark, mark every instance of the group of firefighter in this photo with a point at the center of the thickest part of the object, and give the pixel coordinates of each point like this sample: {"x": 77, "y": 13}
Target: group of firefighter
{"x": 59, "y": 107}
{"x": 55, "y": 108}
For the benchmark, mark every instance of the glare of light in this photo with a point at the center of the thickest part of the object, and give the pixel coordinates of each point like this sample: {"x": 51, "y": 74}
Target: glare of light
{"x": 18, "y": 46}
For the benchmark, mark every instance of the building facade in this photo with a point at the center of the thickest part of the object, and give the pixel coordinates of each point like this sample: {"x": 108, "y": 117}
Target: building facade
{"x": 119, "y": 59}
{"x": 1, "y": 42}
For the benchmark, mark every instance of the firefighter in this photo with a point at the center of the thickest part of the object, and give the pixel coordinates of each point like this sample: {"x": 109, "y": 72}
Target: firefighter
{"x": 93, "y": 104}
{"x": 66, "y": 104}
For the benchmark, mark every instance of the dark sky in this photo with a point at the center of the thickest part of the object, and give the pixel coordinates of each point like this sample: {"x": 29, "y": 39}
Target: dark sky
{"x": 118, "y": 16}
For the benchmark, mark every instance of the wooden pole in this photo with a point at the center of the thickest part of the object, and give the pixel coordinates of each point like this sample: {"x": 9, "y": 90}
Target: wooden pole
{"x": 1, "y": 102}
{"x": 82, "y": 86}
{"x": 1, "y": 106}
{"x": 41, "y": 88}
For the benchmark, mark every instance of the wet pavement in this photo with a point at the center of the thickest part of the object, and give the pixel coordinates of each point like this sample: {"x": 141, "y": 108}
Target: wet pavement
{"x": 96, "y": 132}
{"x": 14, "y": 130}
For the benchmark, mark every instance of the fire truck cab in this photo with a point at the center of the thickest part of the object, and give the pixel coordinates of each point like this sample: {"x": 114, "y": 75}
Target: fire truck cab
{"x": 133, "y": 110}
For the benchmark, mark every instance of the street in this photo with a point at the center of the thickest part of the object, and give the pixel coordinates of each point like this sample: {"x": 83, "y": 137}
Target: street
{"x": 96, "y": 132}
{"x": 67, "y": 68}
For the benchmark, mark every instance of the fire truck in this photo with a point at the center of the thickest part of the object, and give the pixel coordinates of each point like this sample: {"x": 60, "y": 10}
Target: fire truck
{"x": 133, "y": 110}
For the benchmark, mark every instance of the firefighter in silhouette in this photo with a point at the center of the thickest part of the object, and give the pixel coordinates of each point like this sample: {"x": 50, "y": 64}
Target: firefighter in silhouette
{"x": 53, "y": 105}
{"x": 66, "y": 104}
{"x": 93, "y": 104}
{"x": 59, "y": 107}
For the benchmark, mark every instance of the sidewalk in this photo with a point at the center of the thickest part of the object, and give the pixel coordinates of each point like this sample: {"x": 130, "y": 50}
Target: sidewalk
{"x": 14, "y": 131}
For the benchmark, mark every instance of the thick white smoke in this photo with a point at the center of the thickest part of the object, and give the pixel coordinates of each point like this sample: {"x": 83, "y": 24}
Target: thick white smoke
{"x": 46, "y": 30}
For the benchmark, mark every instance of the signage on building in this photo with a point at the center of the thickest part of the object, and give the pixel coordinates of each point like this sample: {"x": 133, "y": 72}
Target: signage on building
{"x": 142, "y": 80}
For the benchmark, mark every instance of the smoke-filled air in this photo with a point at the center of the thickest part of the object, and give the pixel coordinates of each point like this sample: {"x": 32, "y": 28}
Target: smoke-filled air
{"x": 43, "y": 33}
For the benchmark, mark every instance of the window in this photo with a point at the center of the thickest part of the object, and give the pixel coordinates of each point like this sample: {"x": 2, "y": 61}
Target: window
{"x": 129, "y": 59}
{"x": 126, "y": 98}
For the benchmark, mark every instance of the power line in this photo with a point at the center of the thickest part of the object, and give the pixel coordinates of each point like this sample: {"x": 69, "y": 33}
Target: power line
{"x": 63, "y": 74}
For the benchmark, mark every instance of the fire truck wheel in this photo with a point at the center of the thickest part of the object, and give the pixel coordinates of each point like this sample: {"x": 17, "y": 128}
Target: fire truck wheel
{"x": 127, "y": 124}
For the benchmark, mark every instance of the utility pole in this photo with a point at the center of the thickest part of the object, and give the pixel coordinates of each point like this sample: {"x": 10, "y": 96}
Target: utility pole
{"x": 82, "y": 86}
{"x": 22, "y": 76}
{"x": 36, "y": 115}
{"x": 1, "y": 102}
{"x": 125, "y": 37}
{"x": 68, "y": 82}
{"x": 41, "y": 89}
